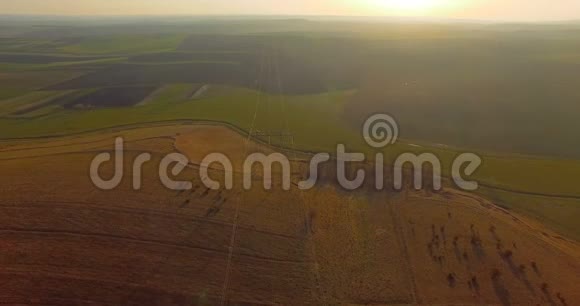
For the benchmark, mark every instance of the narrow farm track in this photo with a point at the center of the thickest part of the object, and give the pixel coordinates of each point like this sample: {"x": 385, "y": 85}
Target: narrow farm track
{"x": 318, "y": 292}
{"x": 239, "y": 201}
{"x": 416, "y": 299}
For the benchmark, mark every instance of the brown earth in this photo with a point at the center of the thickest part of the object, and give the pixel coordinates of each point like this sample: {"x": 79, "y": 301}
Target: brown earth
{"x": 64, "y": 242}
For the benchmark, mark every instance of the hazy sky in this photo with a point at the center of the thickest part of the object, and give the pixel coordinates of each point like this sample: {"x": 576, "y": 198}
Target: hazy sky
{"x": 532, "y": 10}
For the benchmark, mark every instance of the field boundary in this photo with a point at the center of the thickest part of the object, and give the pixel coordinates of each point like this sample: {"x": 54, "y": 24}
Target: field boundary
{"x": 233, "y": 127}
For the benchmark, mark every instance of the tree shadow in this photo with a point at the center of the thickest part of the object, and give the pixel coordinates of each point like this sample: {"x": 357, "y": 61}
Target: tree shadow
{"x": 500, "y": 291}
{"x": 451, "y": 280}
{"x": 473, "y": 284}
{"x": 536, "y": 269}
{"x": 547, "y": 294}
{"x": 457, "y": 251}
{"x": 518, "y": 271}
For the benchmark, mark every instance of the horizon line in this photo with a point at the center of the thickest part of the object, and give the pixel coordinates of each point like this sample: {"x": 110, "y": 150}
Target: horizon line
{"x": 301, "y": 16}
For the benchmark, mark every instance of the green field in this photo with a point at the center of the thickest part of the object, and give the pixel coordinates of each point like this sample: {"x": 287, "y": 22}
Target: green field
{"x": 125, "y": 44}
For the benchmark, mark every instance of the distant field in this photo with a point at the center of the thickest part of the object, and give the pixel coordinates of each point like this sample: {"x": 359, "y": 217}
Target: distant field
{"x": 19, "y": 58}
{"x": 491, "y": 89}
{"x": 124, "y": 44}
{"x": 111, "y": 97}
{"x": 19, "y": 83}
{"x": 56, "y": 99}
{"x": 23, "y": 103}
{"x": 175, "y": 56}
{"x": 257, "y": 72}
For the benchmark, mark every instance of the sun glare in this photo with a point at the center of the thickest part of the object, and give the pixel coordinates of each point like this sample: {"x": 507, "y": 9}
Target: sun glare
{"x": 410, "y": 6}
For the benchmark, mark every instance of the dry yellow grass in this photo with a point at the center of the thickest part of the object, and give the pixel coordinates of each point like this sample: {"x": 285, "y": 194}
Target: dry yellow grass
{"x": 203, "y": 140}
{"x": 65, "y": 242}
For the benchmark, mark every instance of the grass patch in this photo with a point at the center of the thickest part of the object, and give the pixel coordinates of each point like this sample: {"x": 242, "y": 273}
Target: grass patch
{"x": 124, "y": 44}
{"x": 18, "y": 104}
{"x": 168, "y": 94}
{"x": 559, "y": 214}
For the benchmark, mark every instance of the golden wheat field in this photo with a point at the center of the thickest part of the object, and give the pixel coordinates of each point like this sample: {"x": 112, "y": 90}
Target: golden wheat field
{"x": 65, "y": 242}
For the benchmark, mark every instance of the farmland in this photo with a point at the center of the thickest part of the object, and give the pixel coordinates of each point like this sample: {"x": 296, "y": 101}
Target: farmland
{"x": 298, "y": 247}
{"x": 112, "y": 97}
{"x": 507, "y": 92}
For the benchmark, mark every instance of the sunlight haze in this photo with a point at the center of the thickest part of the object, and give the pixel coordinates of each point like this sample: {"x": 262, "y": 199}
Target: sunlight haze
{"x": 516, "y": 10}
